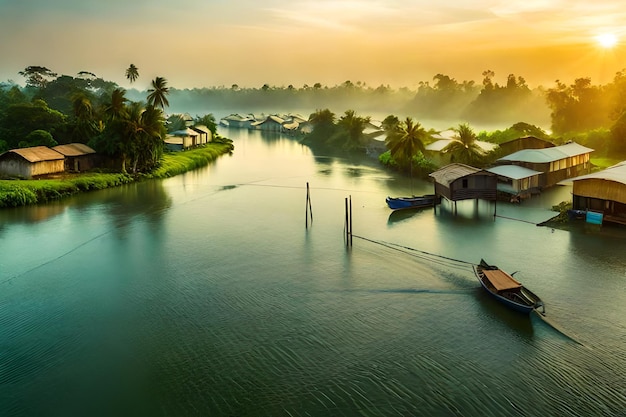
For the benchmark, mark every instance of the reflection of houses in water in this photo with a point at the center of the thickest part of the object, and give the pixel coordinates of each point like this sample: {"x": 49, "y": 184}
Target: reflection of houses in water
{"x": 603, "y": 192}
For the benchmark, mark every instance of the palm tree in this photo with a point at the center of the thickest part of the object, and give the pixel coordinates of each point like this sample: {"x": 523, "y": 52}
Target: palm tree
{"x": 158, "y": 93}
{"x": 353, "y": 125}
{"x": 85, "y": 124}
{"x": 463, "y": 148}
{"x": 116, "y": 108}
{"x": 132, "y": 73}
{"x": 406, "y": 141}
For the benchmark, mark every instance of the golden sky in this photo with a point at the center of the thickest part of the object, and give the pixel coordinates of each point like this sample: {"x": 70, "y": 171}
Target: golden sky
{"x": 203, "y": 43}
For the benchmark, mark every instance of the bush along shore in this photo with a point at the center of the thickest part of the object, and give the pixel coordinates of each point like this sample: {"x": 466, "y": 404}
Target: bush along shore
{"x": 15, "y": 193}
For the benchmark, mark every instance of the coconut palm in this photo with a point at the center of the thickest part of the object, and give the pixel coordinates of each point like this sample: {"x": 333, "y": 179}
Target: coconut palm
{"x": 84, "y": 119}
{"x": 116, "y": 107}
{"x": 463, "y": 148}
{"x": 405, "y": 141}
{"x": 353, "y": 126}
{"x": 158, "y": 93}
{"x": 132, "y": 73}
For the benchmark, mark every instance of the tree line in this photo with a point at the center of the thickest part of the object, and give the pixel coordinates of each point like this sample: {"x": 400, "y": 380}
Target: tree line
{"x": 54, "y": 109}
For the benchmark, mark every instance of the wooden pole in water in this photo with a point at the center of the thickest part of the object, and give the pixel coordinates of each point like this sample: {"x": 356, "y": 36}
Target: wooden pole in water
{"x": 347, "y": 225}
{"x": 350, "y": 221}
{"x": 495, "y": 206}
{"x": 308, "y": 208}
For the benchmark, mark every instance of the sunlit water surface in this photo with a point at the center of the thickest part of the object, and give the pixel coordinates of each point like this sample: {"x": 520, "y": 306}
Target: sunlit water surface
{"x": 205, "y": 294}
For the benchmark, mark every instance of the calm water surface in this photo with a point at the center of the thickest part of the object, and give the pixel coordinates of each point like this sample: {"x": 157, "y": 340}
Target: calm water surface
{"x": 205, "y": 294}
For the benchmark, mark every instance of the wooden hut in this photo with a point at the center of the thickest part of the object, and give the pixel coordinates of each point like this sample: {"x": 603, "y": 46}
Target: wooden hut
{"x": 603, "y": 191}
{"x": 462, "y": 182}
{"x": 238, "y": 121}
{"x": 527, "y": 142}
{"x": 182, "y": 139}
{"x": 556, "y": 163}
{"x": 272, "y": 123}
{"x": 78, "y": 156}
{"x": 31, "y": 162}
{"x": 205, "y": 133}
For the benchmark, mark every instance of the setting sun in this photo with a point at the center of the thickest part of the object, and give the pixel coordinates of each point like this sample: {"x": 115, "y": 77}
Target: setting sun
{"x": 606, "y": 40}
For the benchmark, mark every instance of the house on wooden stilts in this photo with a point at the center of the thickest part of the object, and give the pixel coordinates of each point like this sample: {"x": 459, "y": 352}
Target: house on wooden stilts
{"x": 457, "y": 182}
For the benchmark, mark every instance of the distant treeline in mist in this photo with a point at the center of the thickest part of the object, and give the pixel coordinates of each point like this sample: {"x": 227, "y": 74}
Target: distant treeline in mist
{"x": 443, "y": 98}
{"x": 580, "y": 110}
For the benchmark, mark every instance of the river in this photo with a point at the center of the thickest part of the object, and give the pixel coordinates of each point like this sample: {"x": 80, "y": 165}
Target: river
{"x": 206, "y": 295}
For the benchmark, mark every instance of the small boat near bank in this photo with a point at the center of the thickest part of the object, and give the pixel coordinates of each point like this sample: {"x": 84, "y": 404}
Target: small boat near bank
{"x": 506, "y": 289}
{"x": 400, "y": 203}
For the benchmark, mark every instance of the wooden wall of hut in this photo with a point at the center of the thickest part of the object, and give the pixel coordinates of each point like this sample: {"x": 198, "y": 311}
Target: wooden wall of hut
{"x": 600, "y": 189}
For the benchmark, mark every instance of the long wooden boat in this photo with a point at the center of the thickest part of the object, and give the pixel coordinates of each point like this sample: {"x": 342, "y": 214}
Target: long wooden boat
{"x": 506, "y": 289}
{"x": 400, "y": 203}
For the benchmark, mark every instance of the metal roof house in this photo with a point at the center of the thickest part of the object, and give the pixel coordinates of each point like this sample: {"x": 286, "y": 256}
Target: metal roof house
{"x": 78, "y": 156}
{"x": 556, "y": 163}
{"x": 602, "y": 191}
{"x": 31, "y": 162}
{"x": 462, "y": 182}
{"x": 518, "y": 181}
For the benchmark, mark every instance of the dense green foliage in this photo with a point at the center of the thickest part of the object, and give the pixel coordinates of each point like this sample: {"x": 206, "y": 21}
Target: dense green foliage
{"x": 345, "y": 134}
{"x": 86, "y": 109}
{"x": 24, "y": 192}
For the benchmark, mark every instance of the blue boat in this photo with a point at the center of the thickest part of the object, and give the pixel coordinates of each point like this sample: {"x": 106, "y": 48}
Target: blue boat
{"x": 400, "y": 203}
{"x": 506, "y": 289}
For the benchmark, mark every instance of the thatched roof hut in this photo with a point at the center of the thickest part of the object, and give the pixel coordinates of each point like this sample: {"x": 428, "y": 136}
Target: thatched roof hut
{"x": 31, "y": 162}
{"x": 462, "y": 182}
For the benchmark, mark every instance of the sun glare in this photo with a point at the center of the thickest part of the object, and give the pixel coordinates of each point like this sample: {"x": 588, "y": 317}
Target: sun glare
{"x": 606, "y": 40}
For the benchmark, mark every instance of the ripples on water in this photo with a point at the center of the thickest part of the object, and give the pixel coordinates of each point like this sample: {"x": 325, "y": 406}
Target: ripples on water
{"x": 187, "y": 300}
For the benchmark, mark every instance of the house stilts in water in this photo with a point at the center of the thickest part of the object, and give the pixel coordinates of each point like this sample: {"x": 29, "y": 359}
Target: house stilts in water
{"x": 462, "y": 182}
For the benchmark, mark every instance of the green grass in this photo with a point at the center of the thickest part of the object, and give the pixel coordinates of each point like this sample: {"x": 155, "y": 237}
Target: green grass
{"x": 175, "y": 163}
{"x": 14, "y": 193}
{"x": 604, "y": 162}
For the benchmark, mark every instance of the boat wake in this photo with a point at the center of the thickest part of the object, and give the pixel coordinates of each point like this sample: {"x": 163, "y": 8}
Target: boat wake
{"x": 558, "y": 328}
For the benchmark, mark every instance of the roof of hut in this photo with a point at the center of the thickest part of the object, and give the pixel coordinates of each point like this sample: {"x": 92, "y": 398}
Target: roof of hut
{"x": 452, "y": 172}
{"x": 616, "y": 173}
{"x": 201, "y": 128}
{"x": 545, "y": 155}
{"x": 74, "y": 149}
{"x": 37, "y": 154}
{"x": 184, "y": 132}
{"x": 440, "y": 144}
{"x": 515, "y": 172}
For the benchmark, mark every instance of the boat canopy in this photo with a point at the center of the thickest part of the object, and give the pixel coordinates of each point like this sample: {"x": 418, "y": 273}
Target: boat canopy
{"x": 501, "y": 280}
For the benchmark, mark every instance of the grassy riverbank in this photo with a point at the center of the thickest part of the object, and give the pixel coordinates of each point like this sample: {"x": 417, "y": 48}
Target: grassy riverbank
{"x": 14, "y": 193}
